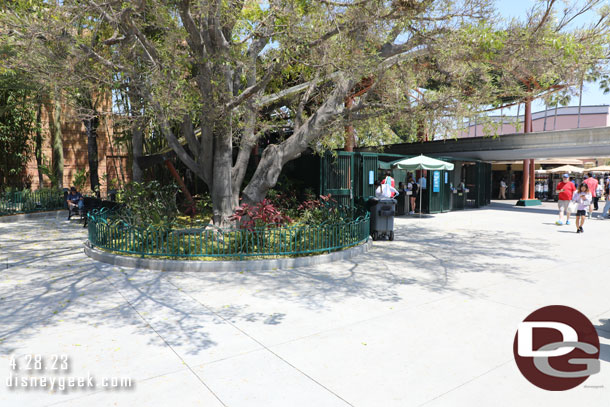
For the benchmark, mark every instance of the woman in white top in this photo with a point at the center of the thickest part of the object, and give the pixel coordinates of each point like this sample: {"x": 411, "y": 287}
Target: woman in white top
{"x": 582, "y": 197}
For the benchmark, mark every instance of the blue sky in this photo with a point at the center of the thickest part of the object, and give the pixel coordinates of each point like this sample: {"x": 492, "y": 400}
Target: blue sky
{"x": 592, "y": 95}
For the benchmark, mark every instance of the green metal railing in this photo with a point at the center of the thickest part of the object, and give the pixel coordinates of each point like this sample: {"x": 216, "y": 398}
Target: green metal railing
{"x": 108, "y": 232}
{"x": 14, "y": 202}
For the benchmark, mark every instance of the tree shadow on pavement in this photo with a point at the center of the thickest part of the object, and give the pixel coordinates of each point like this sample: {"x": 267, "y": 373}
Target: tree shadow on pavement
{"x": 603, "y": 330}
{"x": 51, "y": 286}
{"x": 422, "y": 259}
{"x": 52, "y": 281}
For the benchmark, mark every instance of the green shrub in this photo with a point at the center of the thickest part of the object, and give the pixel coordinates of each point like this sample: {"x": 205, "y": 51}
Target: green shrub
{"x": 149, "y": 204}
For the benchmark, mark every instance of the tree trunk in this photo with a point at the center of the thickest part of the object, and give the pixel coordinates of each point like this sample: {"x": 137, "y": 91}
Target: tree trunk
{"x": 38, "y": 144}
{"x": 276, "y": 156}
{"x": 137, "y": 145}
{"x": 222, "y": 191}
{"x": 57, "y": 154}
{"x": 246, "y": 145}
{"x": 91, "y": 125}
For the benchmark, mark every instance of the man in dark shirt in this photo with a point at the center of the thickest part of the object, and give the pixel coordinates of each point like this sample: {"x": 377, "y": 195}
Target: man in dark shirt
{"x": 75, "y": 199}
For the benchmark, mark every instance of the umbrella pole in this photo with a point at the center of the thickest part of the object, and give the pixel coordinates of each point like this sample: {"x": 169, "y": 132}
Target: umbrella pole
{"x": 420, "y": 188}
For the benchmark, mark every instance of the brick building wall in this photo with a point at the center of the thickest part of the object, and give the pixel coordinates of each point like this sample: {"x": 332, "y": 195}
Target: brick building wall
{"x": 111, "y": 158}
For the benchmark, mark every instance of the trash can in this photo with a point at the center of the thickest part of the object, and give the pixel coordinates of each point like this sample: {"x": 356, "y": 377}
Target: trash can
{"x": 382, "y": 217}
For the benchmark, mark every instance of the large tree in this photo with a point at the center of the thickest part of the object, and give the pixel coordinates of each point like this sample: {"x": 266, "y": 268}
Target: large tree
{"x": 226, "y": 72}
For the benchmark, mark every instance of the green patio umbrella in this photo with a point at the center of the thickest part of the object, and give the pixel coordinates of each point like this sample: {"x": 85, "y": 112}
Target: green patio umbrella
{"x": 422, "y": 162}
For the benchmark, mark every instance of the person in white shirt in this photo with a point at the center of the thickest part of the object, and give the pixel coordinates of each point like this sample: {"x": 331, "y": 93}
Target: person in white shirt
{"x": 583, "y": 200}
{"x": 383, "y": 191}
{"x": 502, "y": 189}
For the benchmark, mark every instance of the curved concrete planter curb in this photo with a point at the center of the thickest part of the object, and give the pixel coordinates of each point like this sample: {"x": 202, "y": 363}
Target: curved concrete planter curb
{"x": 223, "y": 265}
{"x": 53, "y": 214}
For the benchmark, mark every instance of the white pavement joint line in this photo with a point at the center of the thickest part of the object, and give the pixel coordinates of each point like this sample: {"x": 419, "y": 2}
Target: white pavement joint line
{"x": 163, "y": 339}
{"x": 385, "y": 314}
{"x": 465, "y": 383}
{"x": 506, "y": 305}
{"x": 263, "y": 345}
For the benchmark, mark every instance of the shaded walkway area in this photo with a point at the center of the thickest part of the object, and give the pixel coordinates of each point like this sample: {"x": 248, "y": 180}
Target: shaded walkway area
{"x": 428, "y": 319}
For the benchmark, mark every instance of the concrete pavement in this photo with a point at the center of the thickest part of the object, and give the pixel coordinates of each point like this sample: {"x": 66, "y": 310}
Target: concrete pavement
{"x": 428, "y": 319}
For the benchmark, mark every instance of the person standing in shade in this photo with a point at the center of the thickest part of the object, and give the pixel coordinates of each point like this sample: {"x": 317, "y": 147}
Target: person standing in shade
{"x": 422, "y": 181}
{"x": 566, "y": 191}
{"x": 502, "y": 189}
{"x": 413, "y": 187}
{"x": 592, "y": 184}
{"x": 583, "y": 198}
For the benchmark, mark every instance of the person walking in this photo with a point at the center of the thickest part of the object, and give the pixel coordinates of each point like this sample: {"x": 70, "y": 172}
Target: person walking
{"x": 583, "y": 198}
{"x": 566, "y": 191}
{"x": 502, "y": 189}
{"x": 592, "y": 184}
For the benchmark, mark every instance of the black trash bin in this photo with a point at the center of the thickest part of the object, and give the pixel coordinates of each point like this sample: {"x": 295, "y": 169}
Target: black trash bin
{"x": 383, "y": 211}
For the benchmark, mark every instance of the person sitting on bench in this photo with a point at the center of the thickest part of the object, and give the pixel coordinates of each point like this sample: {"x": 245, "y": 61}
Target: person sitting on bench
{"x": 75, "y": 201}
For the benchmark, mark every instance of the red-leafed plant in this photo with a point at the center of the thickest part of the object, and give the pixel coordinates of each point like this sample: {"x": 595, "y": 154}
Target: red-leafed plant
{"x": 313, "y": 203}
{"x": 263, "y": 214}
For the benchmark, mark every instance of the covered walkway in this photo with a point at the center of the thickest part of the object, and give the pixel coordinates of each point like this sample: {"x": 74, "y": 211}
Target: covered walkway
{"x": 592, "y": 142}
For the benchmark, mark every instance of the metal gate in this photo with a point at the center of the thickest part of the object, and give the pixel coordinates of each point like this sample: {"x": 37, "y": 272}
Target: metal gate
{"x": 337, "y": 177}
{"x": 368, "y": 165}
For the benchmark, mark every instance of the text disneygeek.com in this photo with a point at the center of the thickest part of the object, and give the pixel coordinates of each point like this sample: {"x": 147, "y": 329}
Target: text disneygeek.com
{"x": 52, "y": 373}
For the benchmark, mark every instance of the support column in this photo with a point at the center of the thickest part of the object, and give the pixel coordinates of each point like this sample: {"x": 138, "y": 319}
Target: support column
{"x": 526, "y": 180}
{"x": 532, "y": 179}
{"x": 528, "y": 194}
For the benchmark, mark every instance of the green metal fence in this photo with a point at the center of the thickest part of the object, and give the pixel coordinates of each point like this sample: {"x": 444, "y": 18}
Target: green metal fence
{"x": 110, "y": 233}
{"x": 14, "y": 202}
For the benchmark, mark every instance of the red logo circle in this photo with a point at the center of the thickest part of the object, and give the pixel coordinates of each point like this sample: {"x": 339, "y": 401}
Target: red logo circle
{"x": 556, "y": 348}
